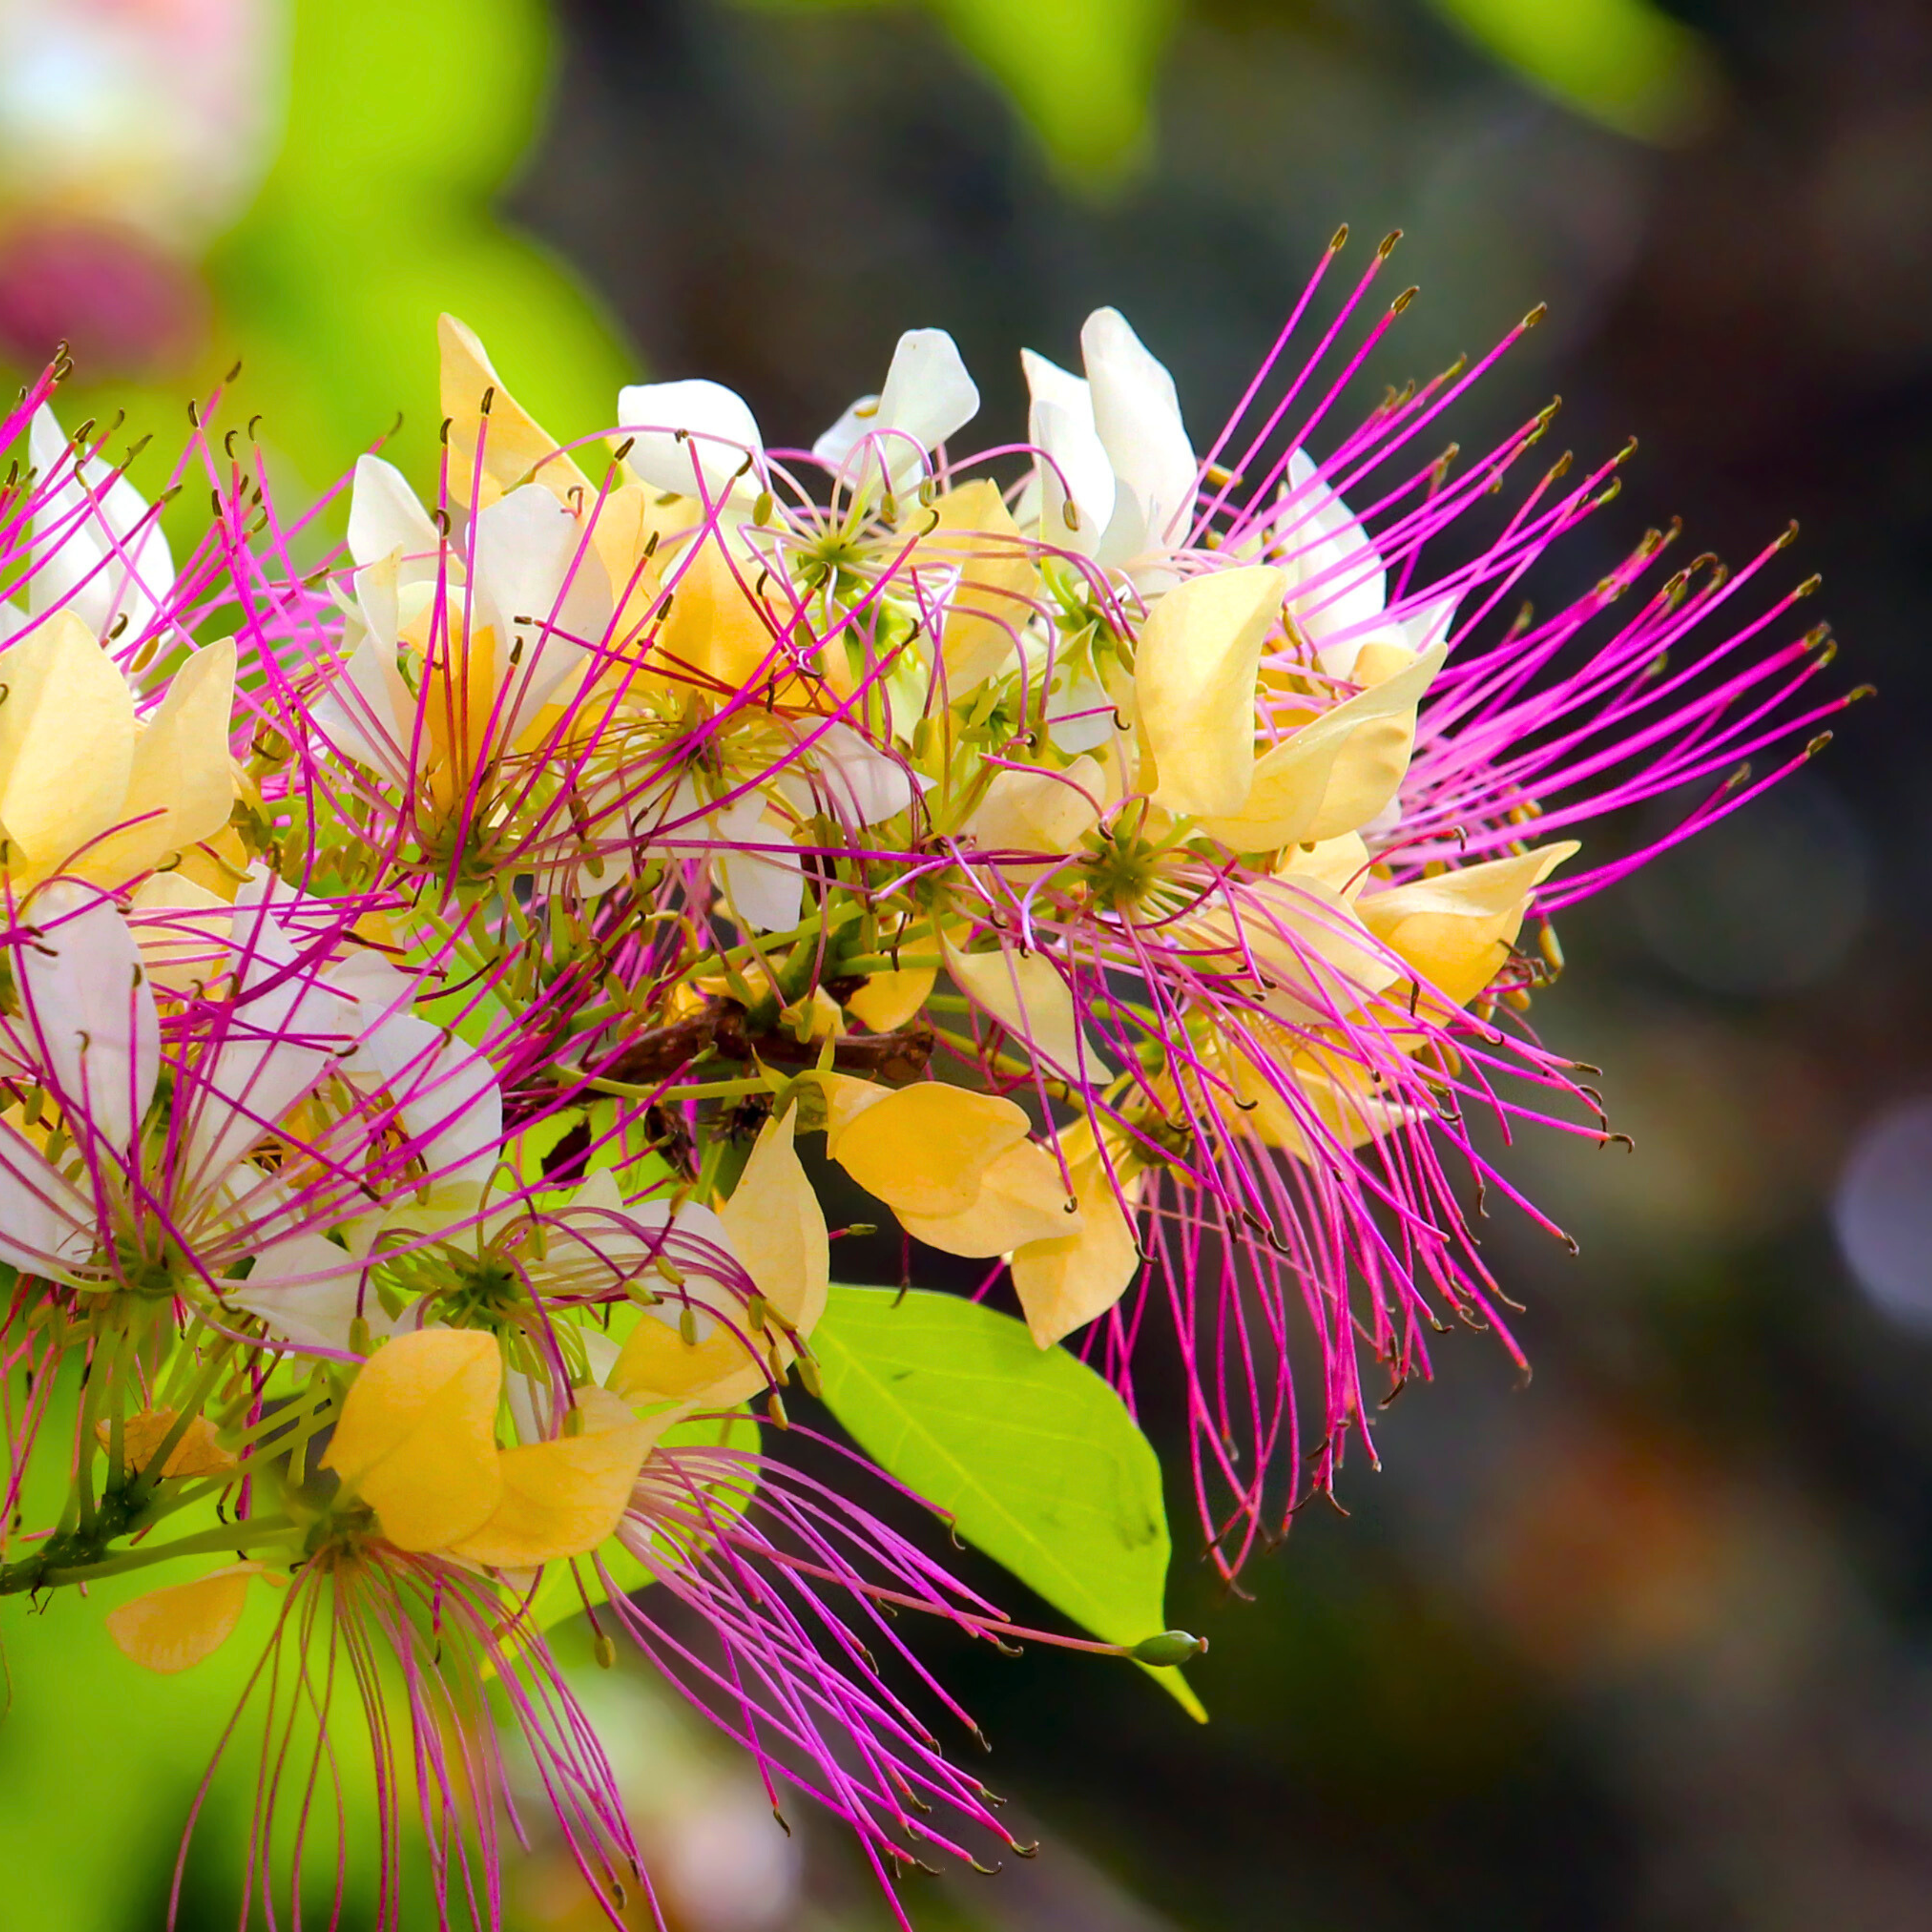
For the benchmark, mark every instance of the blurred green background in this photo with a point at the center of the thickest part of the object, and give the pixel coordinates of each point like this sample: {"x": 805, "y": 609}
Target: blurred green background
{"x": 1645, "y": 1645}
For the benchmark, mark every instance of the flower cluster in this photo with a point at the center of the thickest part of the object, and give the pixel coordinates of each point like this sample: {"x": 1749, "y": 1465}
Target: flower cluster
{"x": 429, "y": 965}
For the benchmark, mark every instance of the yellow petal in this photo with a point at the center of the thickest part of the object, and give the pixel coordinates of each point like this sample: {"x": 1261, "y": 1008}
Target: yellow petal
{"x": 1194, "y": 683}
{"x": 183, "y": 930}
{"x": 778, "y": 1228}
{"x": 197, "y": 1454}
{"x": 171, "y": 1630}
{"x": 1376, "y": 663}
{"x": 657, "y": 1362}
{"x": 973, "y": 533}
{"x": 517, "y": 450}
{"x": 889, "y": 999}
{"x": 1316, "y": 957}
{"x": 1340, "y": 864}
{"x": 562, "y": 1498}
{"x": 459, "y": 702}
{"x": 1030, "y": 999}
{"x": 417, "y": 1436}
{"x": 1456, "y": 930}
{"x": 182, "y": 786}
{"x": 1022, "y": 1198}
{"x": 924, "y": 1149}
{"x": 1334, "y": 773}
{"x": 1066, "y": 1282}
{"x": 219, "y": 864}
{"x": 1337, "y": 1102}
{"x": 66, "y": 742}
{"x": 714, "y": 636}
{"x": 626, "y": 522}
{"x": 846, "y": 1098}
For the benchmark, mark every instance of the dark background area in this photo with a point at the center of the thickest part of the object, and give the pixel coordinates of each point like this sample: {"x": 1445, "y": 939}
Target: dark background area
{"x": 1643, "y": 1644}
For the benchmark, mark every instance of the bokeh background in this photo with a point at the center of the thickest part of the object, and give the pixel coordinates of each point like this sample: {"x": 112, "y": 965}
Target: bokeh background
{"x": 1644, "y": 1645}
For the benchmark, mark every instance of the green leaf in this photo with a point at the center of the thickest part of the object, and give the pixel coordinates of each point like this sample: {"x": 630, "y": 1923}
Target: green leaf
{"x": 1036, "y": 1459}
{"x": 1625, "y": 63}
{"x": 1080, "y": 72}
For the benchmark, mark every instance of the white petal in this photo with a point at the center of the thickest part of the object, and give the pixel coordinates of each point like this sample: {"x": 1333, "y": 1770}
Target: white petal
{"x": 1325, "y": 538}
{"x": 862, "y": 783}
{"x": 385, "y": 516}
{"x": 85, "y": 998}
{"x": 838, "y": 442}
{"x": 284, "y": 1029}
{"x": 766, "y": 888}
{"x": 1060, "y": 425}
{"x": 927, "y": 396}
{"x": 446, "y": 1095}
{"x": 1137, "y": 415}
{"x": 367, "y": 713}
{"x": 721, "y": 431}
{"x": 1079, "y": 713}
{"x": 40, "y": 1215}
{"x": 85, "y": 530}
{"x": 1426, "y": 625}
{"x": 454, "y": 1108}
{"x": 306, "y": 1289}
{"x": 528, "y": 548}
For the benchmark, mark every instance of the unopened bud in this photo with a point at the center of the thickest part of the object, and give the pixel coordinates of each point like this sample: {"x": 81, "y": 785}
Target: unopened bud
{"x": 1168, "y": 1649}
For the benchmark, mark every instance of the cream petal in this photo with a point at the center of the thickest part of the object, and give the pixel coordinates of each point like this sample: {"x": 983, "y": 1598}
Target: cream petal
{"x": 1333, "y": 774}
{"x": 1068, "y": 1281}
{"x": 182, "y": 929}
{"x": 1456, "y": 930}
{"x": 1316, "y": 957}
{"x": 1023, "y": 1199}
{"x": 1030, "y": 998}
{"x": 1194, "y": 683}
{"x": 67, "y": 741}
{"x": 517, "y": 448}
{"x": 1039, "y": 810}
{"x": 181, "y": 789}
{"x": 776, "y": 1228}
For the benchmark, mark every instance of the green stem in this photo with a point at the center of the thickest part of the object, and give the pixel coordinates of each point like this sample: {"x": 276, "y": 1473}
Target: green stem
{"x": 38, "y": 1573}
